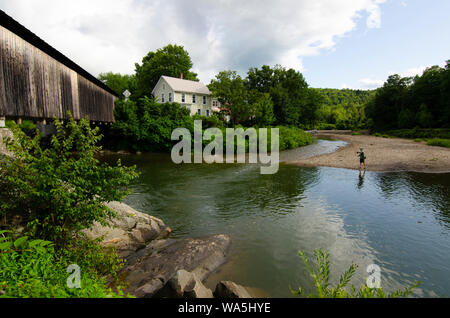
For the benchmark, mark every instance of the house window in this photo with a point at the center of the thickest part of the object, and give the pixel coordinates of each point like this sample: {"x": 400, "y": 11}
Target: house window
{"x": 194, "y": 99}
{"x": 162, "y": 98}
{"x": 204, "y": 100}
{"x": 199, "y": 111}
{"x": 207, "y": 113}
{"x": 170, "y": 97}
{"x": 164, "y": 86}
{"x": 183, "y": 98}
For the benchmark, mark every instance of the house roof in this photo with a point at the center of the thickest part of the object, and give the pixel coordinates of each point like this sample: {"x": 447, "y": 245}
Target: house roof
{"x": 182, "y": 85}
{"x": 12, "y": 25}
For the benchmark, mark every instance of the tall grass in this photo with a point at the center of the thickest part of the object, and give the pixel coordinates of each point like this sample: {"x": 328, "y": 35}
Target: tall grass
{"x": 439, "y": 142}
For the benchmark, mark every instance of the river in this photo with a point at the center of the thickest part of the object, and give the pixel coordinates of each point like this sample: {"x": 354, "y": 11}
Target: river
{"x": 398, "y": 221}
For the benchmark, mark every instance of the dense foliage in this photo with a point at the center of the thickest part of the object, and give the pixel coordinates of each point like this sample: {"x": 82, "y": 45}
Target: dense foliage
{"x": 321, "y": 278}
{"x": 146, "y": 125}
{"x": 171, "y": 60}
{"x": 48, "y": 196}
{"x": 33, "y": 269}
{"x": 267, "y": 96}
{"x": 342, "y": 108}
{"x": 59, "y": 190}
{"x": 119, "y": 83}
{"x": 405, "y": 102}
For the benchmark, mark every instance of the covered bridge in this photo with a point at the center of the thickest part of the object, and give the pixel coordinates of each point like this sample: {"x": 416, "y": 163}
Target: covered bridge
{"x": 37, "y": 82}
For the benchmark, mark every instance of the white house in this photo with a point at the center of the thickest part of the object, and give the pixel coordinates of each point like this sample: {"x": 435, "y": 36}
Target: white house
{"x": 193, "y": 95}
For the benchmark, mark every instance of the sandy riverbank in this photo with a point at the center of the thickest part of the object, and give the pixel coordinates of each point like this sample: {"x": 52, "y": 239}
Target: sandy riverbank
{"x": 383, "y": 154}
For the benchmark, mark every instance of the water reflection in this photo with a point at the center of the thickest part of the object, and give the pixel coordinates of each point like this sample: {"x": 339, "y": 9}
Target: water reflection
{"x": 362, "y": 174}
{"x": 430, "y": 192}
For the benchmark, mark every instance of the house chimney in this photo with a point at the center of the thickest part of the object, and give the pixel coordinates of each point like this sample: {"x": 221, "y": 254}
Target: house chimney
{"x": 181, "y": 75}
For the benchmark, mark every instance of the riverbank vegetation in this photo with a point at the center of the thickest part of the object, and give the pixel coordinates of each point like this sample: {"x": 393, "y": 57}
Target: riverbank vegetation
{"x": 48, "y": 197}
{"x": 407, "y": 102}
{"x": 320, "y": 273}
{"x": 145, "y": 125}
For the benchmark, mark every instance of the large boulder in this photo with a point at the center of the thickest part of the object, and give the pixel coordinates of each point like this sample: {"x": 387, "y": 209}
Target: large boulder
{"x": 150, "y": 269}
{"x": 130, "y": 231}
{"x": 227, "y": 289}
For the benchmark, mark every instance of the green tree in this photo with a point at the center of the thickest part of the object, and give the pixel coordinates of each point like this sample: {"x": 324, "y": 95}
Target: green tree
{"x": 171, "y": 60}
{"x": 119, "y": 83}
{"x": 231, "y": 91}
{"x": 264, "y": 111}
{"x": 388, "y": 102}
{"x": 424, "y": 117}
{"x": 292, "y": 102}
{"x": 145, "y": 125}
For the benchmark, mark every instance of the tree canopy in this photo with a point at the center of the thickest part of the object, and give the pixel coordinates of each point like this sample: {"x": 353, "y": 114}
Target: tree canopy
{"x": 406, "y": 102}
{"x": 171, "y": 60}
{"x": 118, "y": 82}
{"x": 267, "y": 96}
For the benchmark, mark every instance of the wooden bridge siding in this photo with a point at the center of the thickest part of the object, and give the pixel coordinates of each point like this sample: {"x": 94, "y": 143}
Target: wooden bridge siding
{"x": 36, "y": 86}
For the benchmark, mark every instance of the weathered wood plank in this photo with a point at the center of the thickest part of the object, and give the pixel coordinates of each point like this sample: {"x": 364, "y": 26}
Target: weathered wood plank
{"x": 35, "y": 85}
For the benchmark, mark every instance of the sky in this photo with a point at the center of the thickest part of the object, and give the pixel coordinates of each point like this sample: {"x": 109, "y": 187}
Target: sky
{"x": 334, "y": 43}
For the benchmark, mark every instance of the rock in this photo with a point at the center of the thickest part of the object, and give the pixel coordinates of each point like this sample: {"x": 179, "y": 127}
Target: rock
{"x": 227, "y": 289}
{"x": 130, "y": 231}
{"x": 197, "y": 290}
{"x": 186, "y": 285}
{"x": 180, "y": 282}
{"x": 157, "y": 266}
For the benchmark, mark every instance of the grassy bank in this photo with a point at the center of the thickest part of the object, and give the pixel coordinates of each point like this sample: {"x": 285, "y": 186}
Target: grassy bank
{"x": 433, "y": 137}
{"x": 441, "y": 133}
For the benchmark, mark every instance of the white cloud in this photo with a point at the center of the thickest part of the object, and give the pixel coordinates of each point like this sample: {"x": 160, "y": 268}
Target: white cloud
{"x": 370, "y": 83}
{"x": 374, "y": 19}
{"x": 112, "y": 35}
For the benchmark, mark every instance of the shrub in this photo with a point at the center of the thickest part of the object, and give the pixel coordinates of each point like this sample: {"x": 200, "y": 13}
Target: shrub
{"x": 27, "y": 125}
{"x": 212, "y": 121}
{"x": 321, "y": 277}
{"x": 60, "y": 190}
{"x": 146, "y": 125}
{"x": 420, "y": 133}
{"x": 292, "y": 137}
{"x": 31, "y": 268}
{"x": 439, "y": 142}
{"x": 325, "y": 126}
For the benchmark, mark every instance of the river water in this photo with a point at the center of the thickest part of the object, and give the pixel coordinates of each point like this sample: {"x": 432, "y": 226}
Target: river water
{"x": 398, "y": 221}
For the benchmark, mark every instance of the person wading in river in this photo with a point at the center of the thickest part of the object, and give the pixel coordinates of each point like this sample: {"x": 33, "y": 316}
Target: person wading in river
{"x": 362, "y": 159}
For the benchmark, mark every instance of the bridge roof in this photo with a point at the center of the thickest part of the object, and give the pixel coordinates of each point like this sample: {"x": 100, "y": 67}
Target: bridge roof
{"x": 12, "y": 25}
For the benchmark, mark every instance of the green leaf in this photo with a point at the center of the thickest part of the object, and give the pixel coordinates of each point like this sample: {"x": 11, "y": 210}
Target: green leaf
{"x": 20, "y": 241}
{"x": 5, "y": 245}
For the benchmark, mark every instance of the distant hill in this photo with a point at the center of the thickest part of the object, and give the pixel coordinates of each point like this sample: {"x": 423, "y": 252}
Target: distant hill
{"x": 345, "y": 97}
{"x": 343, "y": 108}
